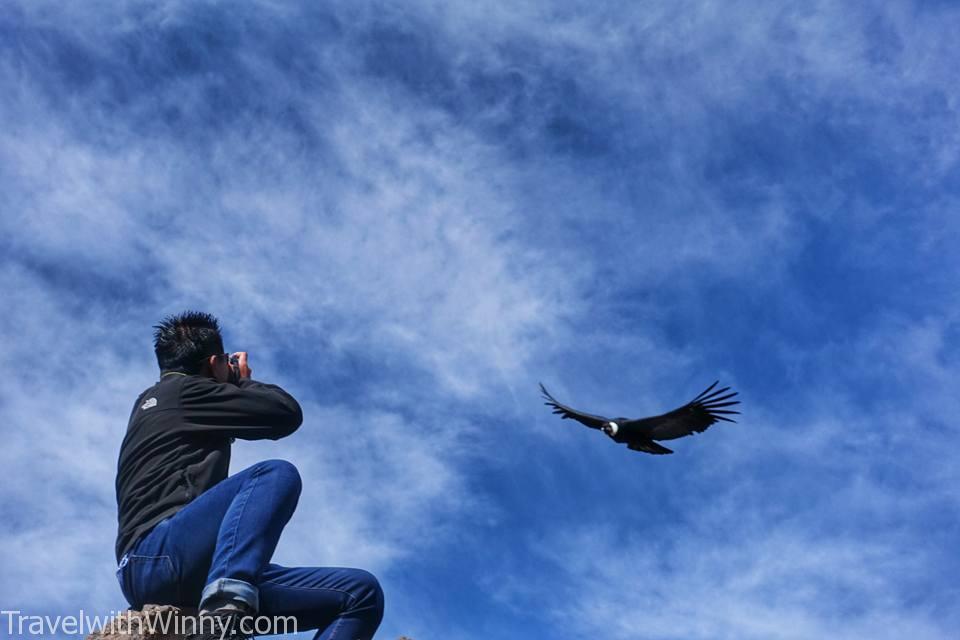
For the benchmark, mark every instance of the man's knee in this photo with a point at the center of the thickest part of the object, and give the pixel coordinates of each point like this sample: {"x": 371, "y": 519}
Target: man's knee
{"x": 284, "y": 474}
{"x": 368, "y": 593}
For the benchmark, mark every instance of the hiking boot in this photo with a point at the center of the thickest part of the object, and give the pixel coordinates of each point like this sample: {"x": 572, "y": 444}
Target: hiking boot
{"x": 222, "y": 624}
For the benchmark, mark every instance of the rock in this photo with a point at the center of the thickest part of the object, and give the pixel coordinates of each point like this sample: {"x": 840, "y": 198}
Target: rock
{"x": 153, "y": 622}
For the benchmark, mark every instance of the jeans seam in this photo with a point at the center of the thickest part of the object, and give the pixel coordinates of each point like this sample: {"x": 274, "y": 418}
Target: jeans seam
{"x": 336, "y": 627}
{"x": 353, "y": 598}
{"x": 236, "y": 523}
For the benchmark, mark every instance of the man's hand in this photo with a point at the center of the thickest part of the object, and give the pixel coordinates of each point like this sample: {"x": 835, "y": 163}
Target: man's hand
{"x": 243, "y": 369}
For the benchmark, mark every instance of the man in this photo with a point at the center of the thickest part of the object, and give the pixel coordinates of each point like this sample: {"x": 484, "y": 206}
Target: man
{"x": 191, "y": 536}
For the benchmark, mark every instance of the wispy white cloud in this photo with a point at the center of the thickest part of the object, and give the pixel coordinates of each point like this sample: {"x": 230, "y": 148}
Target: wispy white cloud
{"x": 762, "y": 584}
{"x": 392, "y": 246}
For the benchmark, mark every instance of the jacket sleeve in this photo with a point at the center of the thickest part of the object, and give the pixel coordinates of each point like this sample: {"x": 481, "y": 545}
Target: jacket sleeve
{"x": 249, "y": 410}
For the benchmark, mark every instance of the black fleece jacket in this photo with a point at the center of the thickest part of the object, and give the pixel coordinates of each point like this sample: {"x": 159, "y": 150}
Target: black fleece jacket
{"x": 178, "y": 443}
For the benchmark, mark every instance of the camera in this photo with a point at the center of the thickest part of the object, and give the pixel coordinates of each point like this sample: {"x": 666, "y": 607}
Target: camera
{"x": 234, "y": 365}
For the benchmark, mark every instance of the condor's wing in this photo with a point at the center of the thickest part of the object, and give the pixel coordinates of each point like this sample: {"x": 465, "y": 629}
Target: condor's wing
{"x": 648, "y": 446}
{"x": 694, "y": 417}
{"x": 592, "y": 421}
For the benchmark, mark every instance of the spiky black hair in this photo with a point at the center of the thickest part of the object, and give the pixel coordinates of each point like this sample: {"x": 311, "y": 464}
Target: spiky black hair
{"x": 182, "y": 341}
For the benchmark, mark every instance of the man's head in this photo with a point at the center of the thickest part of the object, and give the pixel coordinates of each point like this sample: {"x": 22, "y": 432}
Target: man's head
{"x": 184, "y": 343}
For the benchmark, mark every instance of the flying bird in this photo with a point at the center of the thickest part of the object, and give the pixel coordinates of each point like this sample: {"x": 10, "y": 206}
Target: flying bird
{"x": 694, "y": 417}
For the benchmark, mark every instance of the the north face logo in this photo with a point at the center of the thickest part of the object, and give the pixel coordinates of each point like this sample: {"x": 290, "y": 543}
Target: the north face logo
{"x": 151, "y": 402}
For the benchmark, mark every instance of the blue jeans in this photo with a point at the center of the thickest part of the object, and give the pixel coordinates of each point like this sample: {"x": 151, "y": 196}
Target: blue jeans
{"x": 219, "y": 546}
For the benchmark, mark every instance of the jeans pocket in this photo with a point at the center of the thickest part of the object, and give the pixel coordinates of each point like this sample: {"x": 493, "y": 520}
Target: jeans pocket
{"x": 152, "y": 580}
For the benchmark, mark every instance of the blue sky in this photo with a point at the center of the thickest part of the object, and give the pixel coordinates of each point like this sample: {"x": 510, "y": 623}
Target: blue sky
{"x": 411, "y": 214}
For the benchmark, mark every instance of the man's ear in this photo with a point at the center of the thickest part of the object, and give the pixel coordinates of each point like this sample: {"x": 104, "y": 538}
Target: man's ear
{"x": 208, "y": 365}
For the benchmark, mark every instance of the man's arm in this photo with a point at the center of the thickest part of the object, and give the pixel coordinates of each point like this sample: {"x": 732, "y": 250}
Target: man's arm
{"x": 249, "y": 410}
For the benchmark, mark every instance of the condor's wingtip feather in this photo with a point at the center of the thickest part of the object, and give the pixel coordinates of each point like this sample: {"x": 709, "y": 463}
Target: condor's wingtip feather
{"x": 719, "y": 395}
{"x": 707, "y": 390}
{"x": 716, "y": 395}
{"x": 711, "y": 396}
{"x": 546, "y": 394}
{"x": 715, "y": 405}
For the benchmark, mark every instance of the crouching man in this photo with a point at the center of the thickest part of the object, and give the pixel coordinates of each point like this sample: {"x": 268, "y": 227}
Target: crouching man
{"x": 191, "y": 536}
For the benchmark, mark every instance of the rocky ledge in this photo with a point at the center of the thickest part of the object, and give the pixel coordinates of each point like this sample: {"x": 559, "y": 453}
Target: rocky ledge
{"x": 153, "y": 622}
